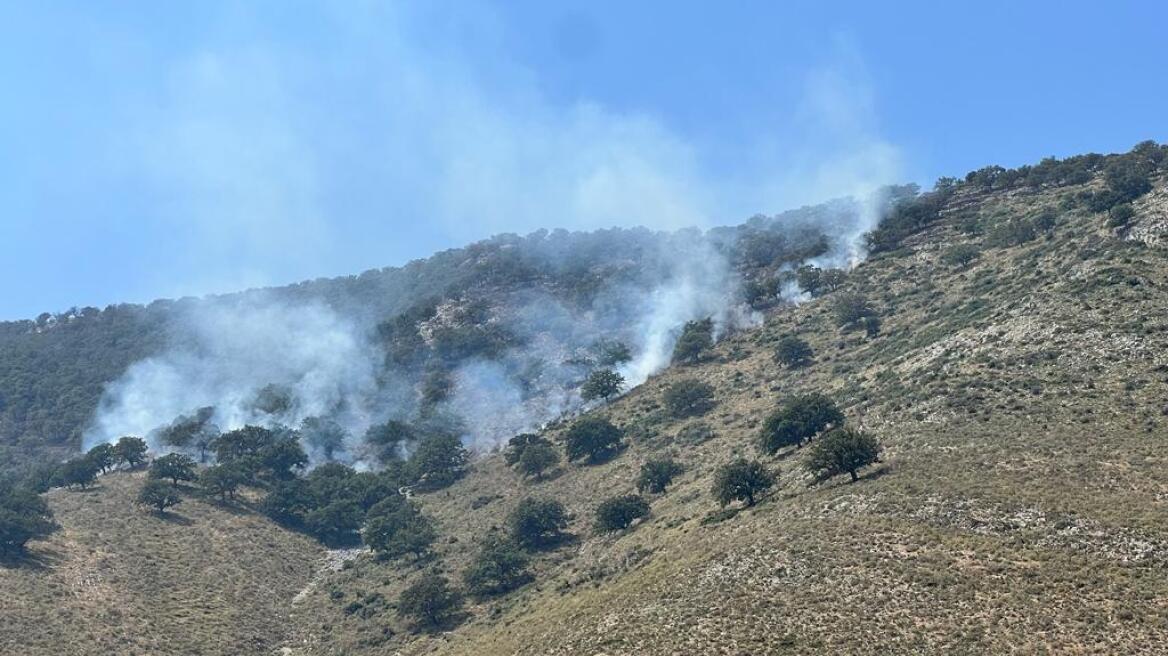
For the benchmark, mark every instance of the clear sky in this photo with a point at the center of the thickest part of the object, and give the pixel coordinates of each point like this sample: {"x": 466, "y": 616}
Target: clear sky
{"x": 155, "y": 149}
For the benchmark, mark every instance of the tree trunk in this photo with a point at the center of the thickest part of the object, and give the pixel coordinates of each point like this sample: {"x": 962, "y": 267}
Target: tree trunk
{"x": 853, "y": 473}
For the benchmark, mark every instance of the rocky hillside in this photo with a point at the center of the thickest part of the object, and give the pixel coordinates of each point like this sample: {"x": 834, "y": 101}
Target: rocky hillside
{"x": 1016, "y": 380}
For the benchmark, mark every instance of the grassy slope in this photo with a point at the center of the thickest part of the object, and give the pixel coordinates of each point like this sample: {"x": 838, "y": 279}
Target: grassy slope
{"x": 120, "y": 580}
{"x": 1021, "y": 506}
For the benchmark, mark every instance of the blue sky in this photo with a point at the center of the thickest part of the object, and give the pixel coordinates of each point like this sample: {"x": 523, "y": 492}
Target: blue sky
{"x": 162, "y": 149}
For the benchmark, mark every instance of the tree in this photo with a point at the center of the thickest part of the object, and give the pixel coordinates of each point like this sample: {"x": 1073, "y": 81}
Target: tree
{"x": 537, "y": 459}
{"x": 1120, "y": 215}
{"x": 851, "y": 309}
{"x": 594, "y": 438}
{"x": 396, "y": 527}
{"x": 798, "y": 420}
{"x": 833, "y": 279}
{"x": 696, "y": 338}
{"x": 518, "y": 444}
{"x": 538, "y": 523}
{"x": 158, "y": 495}
{"x": 323, "y": 435}
{"x": 24, "y": 516}
{"x": 688, "y": 397}
{"x": 80, "y": 471}
{"x": 131, "y": 450}
{"x": 499, "y": 567}
{"x": 793, "y": 352}
{"x": 386, "y": 440}
{"x": 618, "y": 513}
{"x": 843, "y": 450}
{"x": 602, "y": 384}
{"x": 611, "y": 352}
{"x": 810, "y": 279}
{"x": 656, "y": 475}
{"x": 336, "y": 522}
{"x": 288, "y": 502}
{"x": 222, "y": 480}
{"x": 175, "y": 467}
{"x": 194, "y": 431}
{"x": 741, "y": 480}
{"x": 103, "y": 457}
{"x": 281, "y": 459}
{"x": 438, "y": 461}
{"x": 430, "y": 602}
{"x": 242, "y": 443}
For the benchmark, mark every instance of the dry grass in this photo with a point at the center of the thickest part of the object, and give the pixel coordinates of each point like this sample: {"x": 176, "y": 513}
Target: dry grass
{"x": 117, "y": 579}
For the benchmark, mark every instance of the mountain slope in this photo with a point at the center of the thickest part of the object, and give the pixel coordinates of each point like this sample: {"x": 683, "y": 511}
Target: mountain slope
{"x": 116, "y": 579}
{"x": 1020, "y": 505}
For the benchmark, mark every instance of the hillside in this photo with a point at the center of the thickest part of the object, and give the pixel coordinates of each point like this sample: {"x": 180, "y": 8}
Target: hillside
{"x": 1017, "y": 382}
{"x": 1019, "y": 506}
{"x": 204, "y": 579}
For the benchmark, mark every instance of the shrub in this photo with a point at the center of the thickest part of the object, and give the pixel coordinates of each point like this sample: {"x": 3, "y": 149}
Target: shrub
{"x": 499, "y": 567}
{"x": 741, "y": 480}
{"x": 793, "y": 352}
{"x": 798, "y": 420}
{"x": 1013, "y": 232}
{"x": 843, "y": 450}
{"x": 611, "y": 352}
{"x": 537, "y": 523}
{"x": 695, "y": 433}
{"x": 24, "y": 516}
{"x": 593, "y": 438}
{"x": 395, "y": 528}
{"x": 131, "y": 450}
{"x": 158, "y": 495}
{"x": 618, "y": 513}
{"x": 657, "y": 474}
{"x": 516, "y": 445}
{"x": 960, "y": 255}
{"x": 696, "y": 338}
{"x": 688, "y": 397}
{"x": 175, "y": 467}
{"x": 850, "y": 310}
{"x": 103, "y": 457}
{"x": 538, "y": 458}
{"x": 1120, "y": 215}
{"x": 430, "y": 603}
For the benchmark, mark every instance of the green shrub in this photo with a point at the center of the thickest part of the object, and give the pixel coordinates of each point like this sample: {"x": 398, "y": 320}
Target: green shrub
{"x": 24, "y": 516}
{"x": 696, "y": 338}
{"x": 499, "y": 567}
{"x": 537, "y": 523}
{"x": 798, "y": 420}
{"x": 618, "y": 513}
{"x": 431, "y": 603}
{"x": 537, "y": 459}
{"x": 688, "y": 397}
{"x": 592, "y": 438}
{"x": 158, "y": 495}
{"x": 602, "y": 384}
{"x": 657, "y": 474}
{"x": 793, "y": 352}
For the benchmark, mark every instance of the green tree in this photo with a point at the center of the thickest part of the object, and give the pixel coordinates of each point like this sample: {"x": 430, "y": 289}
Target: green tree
{"x": 80, "y": 471}
{"x": 538, "y": 523}
{"x": 688, "y": 397}
{"x": 593, "y": 438}
{"x": 131, "y": 450}
{"x": 696, "y": 338}
{"x": 195, "y": 431}
{"x": 242, "y": 444}
{"x": 611, "y": 352}
{"x": 338, "y": 521}
{"x": 158, "y": 495}
{"x": 387, "y": 440}
{"x": 222, "y": 480}
{"x": 799, "y": 419}
{"x": 323, "y": 435}
{"x": 396, "y": 527}
{"x": 810, "y": 279}
{"x": 430, "y": 603}
{"x": 518, "y": 444}
{"x": 657, "y": 474}
{"x": 537, "y": 459}
{"x": 281, "y": 459}
{"x": 602, "y": 384}
{"x": 499, "y": 567}
{"x": 24, "y": 516}
{"x": 618, "y": 513}
{"x": 793, "y": 352}
{"x": 103, "y": 457}
{"x": 288, "y": 502}
{"x": 960, "y": 255}
{"x": 175, "y": 467}
{"x": 741, "y": 480}
{"x": 840, "y": 451}
{"x": 438, "y": 461}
